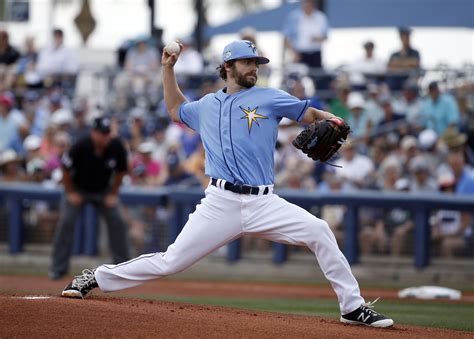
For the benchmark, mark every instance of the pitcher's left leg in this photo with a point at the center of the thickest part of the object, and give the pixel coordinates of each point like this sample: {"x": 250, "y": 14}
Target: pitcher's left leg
{"x": 275, "y": 219}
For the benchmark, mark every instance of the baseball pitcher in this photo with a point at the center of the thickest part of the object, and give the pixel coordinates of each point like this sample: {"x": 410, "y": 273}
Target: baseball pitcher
{"x": 238, "y": 127}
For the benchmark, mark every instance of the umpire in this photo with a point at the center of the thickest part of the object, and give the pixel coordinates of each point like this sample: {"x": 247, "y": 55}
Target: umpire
{"x": 92, "y": 173}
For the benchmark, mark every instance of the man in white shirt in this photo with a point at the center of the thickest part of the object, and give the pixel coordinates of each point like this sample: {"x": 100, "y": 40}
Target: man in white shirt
{"x": 56, "y": 59}
{"x": 366, "y": 66}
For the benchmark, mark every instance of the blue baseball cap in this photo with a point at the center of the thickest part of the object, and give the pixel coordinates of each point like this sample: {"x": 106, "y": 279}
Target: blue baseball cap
{"x": 242, "y": 49}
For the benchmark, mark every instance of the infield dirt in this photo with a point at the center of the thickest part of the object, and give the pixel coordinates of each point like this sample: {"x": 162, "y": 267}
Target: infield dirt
{"x": 107, "y": 316}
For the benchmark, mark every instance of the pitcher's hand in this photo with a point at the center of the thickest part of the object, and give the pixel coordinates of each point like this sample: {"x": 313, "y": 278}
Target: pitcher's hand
{"x": 169, "y": 60}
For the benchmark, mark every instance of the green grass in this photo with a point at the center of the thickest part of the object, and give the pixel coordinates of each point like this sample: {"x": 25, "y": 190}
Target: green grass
{"x": 420, "y": 313}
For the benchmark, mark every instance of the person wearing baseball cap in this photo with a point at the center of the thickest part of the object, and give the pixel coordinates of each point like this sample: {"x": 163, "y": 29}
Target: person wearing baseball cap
{"x": 238, "y": 126}
{"x": 242, "y": 49}
{"x": 93, "y": 170}
{"x": 102, "y": 125}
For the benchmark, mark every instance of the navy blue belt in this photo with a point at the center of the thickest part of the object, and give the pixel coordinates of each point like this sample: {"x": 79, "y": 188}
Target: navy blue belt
{"x": 240, "y": 189}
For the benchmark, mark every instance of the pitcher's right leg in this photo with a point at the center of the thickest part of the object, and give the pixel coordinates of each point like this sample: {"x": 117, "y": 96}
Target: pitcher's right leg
{"x": 215, "y": 222}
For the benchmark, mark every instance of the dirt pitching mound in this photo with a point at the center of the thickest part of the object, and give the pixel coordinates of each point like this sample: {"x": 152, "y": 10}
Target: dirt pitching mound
{"x": 31, "y": 307}
{"x": 100, "y": 316}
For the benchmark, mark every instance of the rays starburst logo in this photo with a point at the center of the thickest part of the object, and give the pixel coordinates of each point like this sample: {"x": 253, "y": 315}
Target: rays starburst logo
{"x": 251, "y": 115}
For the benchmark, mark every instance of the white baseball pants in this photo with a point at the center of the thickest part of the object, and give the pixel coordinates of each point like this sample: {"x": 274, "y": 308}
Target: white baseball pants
{"x": 223, "y": 216}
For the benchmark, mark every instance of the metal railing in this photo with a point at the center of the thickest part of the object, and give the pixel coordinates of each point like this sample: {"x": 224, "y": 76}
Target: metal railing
{"x": 185, "y": 199}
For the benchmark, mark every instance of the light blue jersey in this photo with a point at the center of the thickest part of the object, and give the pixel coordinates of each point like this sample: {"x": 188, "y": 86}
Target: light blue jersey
{"x": 239, "y": 131}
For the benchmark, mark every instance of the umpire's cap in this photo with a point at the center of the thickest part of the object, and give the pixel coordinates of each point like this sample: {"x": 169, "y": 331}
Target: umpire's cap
{"x": 102, "y": 124}
{"x": 242, "y": 49}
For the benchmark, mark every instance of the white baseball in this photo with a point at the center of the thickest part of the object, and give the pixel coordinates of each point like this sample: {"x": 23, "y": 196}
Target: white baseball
{"x": 172, "y": 48}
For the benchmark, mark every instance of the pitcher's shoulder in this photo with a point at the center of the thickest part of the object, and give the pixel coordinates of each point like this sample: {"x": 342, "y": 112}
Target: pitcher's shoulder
{"x": 265, "y": 90}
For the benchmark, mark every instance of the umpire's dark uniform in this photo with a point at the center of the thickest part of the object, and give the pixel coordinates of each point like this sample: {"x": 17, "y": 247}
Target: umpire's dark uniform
{"x": 92, "y": 173}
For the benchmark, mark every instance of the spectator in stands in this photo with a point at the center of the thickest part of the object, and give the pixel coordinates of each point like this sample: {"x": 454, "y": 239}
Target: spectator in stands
{"x": 27, "y": 63}
{"x": 305, "y": 30}
{"x": 390, "y": 227}
{"x": 35, "y": 163}
{"x": 399, "y": 225}
{"x": 47, "y": 142}
{"x": 10, "y": 166}
{"x": 357, "y": 119}
{"x": 367, "y": 66}
{"x": 92, "y": 173}
{"x": 44, "y": 114}
{"x": 408, "y": 150}
{"x": 422, "y": 178}
{"x": 9, "y": 127}
{"x": 31, "y": 109}
{"x": 8, "y": 57}
{"x": 63, "y": 120}
{"x": 427, "y": 142}
{"x": 334, "y": 214}
{"x": 407, "y": 58}
{"x": 296, "y": 173}
{"x": 372, "y": 107}
{"x": 142, "y": 58}
{"x": 58, "y": 63}
{"x": 145, "y": 170}
{"x": 404, "y": 64}
{"x": 463, "y": 175}
{"x": 137, "y": 128}
{"x": 338, "y": 106}
{"x": 380, "y": 149}
{"x": 410, "y": 105}
{"x": 391, "y": 122}
{"x": 440, "y": 110}
{"x": 8, "y": 54}
{"x": 140, "y": 69}
{"x": 190, "y": 61}
{"x": 81, "y": 127}
{"x": 460, "y": 240}
{"x": 355, "y": 167}
{"x": 177, "y": 174}
{"x": 450, "y": 232}
{"x": 161, "y": 143}
{"x": 62, "y": 143}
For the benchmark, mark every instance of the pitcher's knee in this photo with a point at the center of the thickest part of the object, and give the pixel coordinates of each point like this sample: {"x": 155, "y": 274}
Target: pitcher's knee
{"x": 320, "y": 232}
{"x": 320, "y": 227}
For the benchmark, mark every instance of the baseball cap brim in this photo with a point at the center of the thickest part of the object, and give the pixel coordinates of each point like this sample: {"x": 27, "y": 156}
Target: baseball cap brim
{"x": 261, "y": 60}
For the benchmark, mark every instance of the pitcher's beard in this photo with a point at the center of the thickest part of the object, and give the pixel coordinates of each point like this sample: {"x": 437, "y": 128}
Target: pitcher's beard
{"x": 244, "y": 80}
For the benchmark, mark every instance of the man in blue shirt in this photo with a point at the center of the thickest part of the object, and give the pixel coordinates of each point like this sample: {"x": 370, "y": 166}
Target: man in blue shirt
{"x": 440, "y": 110}
{"x": 462, "y": 240}
{"x": 238, "y": 127}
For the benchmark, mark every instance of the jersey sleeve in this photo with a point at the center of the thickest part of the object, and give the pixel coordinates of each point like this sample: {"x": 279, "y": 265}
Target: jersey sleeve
{"x": 189, "y": 114}
{"x": 288, "y": 106}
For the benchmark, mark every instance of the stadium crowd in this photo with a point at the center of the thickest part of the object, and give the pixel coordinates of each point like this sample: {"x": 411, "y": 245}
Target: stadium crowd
{"x": 405, "y": 137}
